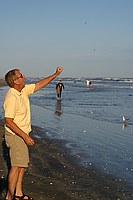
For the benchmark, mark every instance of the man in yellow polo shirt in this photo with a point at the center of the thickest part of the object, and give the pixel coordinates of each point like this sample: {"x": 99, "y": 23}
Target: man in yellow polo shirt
{"x": 18, "y": 127}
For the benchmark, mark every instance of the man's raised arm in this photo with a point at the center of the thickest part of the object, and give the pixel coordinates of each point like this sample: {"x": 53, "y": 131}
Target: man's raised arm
{"x": 42, "y": 83}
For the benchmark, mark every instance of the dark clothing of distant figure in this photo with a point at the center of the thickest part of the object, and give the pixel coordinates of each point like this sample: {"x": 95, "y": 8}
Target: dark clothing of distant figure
{"x": 59, "y": 87}
{"x": 90, "y": 82}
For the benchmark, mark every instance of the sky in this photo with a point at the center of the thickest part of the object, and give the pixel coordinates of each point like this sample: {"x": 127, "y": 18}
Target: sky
{"x": 88, "y": 38}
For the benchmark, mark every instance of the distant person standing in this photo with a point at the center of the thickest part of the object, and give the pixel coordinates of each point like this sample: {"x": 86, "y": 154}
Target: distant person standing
{"x": 89, "y": 82}
{"x": 59, "y": 87}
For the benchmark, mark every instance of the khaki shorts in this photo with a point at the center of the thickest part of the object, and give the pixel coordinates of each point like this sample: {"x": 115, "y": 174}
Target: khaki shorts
{"x": 19, "y": 153}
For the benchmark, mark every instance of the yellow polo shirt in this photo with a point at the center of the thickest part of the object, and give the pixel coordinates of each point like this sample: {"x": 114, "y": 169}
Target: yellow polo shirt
{"x": 17, "y": 106}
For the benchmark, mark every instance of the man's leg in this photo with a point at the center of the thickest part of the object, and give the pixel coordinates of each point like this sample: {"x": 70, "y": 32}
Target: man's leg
{"x": 12, "y": 181}
{"x": 19, "y": 191}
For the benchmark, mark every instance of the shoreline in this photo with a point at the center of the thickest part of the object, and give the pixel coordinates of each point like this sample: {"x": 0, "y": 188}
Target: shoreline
{"x": 53, "y": 173}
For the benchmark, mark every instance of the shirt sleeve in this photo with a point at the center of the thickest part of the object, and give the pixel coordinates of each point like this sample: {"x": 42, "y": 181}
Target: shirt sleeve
{"x": 29, "y": 89}
{"x": 11, "y": 106}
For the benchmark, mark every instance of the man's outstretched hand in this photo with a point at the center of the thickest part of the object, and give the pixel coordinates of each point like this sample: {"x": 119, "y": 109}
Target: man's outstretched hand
{"x": 59, "y": 70}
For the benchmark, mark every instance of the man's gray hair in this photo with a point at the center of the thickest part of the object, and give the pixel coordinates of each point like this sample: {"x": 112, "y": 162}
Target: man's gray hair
{"x": 10, "y": 77}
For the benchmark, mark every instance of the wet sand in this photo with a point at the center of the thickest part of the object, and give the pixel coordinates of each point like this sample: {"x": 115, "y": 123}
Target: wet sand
{"x": 53, "y": 173}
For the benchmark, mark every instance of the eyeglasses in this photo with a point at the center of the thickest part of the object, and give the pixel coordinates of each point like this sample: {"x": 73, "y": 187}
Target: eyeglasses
{"x": 21, "y": 76}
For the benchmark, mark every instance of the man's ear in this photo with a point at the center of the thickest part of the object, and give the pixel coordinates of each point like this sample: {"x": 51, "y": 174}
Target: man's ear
{"x": 15, "y": 82}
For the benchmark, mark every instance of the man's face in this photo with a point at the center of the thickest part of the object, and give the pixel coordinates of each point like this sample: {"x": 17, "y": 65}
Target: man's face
{"x": 20, "y": 81}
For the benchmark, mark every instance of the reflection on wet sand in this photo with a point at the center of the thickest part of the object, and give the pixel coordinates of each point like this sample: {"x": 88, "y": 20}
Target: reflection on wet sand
{"x": 58, "y": 110}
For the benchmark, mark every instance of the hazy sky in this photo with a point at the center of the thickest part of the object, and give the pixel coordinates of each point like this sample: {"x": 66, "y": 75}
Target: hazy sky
{"x": 89, "y": 38}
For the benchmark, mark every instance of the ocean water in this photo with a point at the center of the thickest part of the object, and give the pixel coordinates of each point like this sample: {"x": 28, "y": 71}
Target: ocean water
{"x": 90, "y": 119}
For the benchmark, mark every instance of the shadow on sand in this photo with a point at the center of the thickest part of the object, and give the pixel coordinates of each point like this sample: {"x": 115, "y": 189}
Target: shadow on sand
{"x": 3, "y": 180}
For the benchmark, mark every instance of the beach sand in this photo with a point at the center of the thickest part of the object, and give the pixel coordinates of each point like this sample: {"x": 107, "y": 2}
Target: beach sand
{"x": 53, "y": 173}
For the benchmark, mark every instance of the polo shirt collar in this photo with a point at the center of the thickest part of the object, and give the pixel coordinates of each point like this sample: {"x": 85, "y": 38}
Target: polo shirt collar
{"x": 16, "y": 91}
